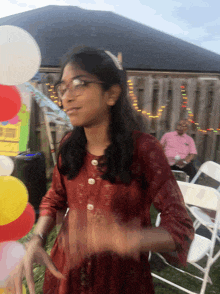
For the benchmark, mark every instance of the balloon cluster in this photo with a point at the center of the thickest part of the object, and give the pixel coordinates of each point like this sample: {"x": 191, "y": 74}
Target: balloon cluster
{"x": 17, "y": 217}
{"x": 20, "y": 60}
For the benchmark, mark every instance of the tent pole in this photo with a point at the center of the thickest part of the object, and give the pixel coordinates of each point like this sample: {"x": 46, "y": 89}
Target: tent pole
{"x": 52, "y": 147}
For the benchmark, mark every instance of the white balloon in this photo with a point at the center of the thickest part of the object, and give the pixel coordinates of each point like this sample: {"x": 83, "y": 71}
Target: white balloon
{"x": 20, "y": 56}
{"x": 11, "y": 255}
{"x": 6, "y": 166}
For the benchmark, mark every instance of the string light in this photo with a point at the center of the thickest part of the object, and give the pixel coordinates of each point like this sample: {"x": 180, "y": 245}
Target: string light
{"x": 190, "y": 113}
{"x": 52, "y": 94}
{"x": 145, "y": 113}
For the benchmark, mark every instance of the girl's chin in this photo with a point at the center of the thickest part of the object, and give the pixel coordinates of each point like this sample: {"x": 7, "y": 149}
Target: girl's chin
{"x": 76, "y": 122}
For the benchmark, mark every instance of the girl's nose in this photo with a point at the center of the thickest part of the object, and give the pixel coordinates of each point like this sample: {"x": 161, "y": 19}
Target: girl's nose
{"x": 69, "y": 95}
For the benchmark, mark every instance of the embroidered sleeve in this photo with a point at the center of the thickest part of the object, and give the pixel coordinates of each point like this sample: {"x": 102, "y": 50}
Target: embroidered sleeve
{"x": 167, "y": 198}
{"x": 55, "y": 199}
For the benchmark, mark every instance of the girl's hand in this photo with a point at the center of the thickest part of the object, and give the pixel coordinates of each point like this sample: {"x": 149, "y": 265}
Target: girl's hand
{"x": 35, "y": 253}
{"x": 117, "y": 238}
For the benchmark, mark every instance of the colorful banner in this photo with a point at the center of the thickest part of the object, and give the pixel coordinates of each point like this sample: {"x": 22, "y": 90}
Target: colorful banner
{"x": 14, "y": 133}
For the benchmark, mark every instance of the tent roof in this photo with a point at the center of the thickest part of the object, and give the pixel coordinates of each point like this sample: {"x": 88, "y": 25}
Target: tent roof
{"x": 58, "y": 28}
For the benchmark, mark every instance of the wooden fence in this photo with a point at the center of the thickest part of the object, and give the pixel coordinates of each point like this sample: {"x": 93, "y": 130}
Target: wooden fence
{"x": 164, "y": 98}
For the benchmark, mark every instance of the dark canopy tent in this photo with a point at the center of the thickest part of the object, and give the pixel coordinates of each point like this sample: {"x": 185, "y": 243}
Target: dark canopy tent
{"x": 57, "y": 28}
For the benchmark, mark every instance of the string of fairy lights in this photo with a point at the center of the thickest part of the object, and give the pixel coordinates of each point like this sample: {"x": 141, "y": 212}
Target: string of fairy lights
{"x": 53, "y": 96}
{"x": 190, "y": 113}
{"x": 145, "y": 113}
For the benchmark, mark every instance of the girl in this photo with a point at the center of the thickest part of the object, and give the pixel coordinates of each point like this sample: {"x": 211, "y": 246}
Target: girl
{"x": 108, "y": 174}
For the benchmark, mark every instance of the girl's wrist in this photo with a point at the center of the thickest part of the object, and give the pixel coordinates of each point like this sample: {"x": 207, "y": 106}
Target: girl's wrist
{"x": 38, "y": 238}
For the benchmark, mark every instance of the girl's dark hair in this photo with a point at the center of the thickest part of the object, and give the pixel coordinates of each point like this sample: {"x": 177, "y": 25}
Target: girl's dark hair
{"x": 118, "y": 156}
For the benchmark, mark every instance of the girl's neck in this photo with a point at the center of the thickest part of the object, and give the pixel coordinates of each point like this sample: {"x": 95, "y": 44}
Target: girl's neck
{"x": 97, "y": 139}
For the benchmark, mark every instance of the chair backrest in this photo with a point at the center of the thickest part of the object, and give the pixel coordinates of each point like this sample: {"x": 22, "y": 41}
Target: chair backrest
{"x": 202, "y": 196}
{"x": 211, "y": 169}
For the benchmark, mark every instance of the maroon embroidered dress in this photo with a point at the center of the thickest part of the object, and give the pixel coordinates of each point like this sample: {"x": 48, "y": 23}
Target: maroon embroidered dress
{"x": 90, "y": 199}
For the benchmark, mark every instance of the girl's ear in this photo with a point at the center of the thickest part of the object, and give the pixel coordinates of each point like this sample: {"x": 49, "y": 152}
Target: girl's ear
{"x": 113, "y": 94}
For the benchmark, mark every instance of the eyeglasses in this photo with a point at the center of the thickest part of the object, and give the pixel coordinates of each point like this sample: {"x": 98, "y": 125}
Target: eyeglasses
{"x": 77, "y": 85}
{"x": 182, "y": 126}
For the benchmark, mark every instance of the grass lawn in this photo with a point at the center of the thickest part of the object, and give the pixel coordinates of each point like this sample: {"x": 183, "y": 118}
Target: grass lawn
{"x": 157, "y": 266}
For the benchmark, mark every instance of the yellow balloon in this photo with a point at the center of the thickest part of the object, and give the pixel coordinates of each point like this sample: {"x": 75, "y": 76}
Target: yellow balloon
{"x": 13, "y": 199}
{"x": 4, "y": 291}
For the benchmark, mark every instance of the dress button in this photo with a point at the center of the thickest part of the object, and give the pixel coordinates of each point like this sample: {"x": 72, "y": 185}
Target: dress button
{"x": 90, "y": 206}
{"x": 94, "y": 162}
{"x": 91, "y": 181}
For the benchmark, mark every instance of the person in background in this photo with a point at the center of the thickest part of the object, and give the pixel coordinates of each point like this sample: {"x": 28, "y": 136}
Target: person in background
{"x": 180, "y": 149}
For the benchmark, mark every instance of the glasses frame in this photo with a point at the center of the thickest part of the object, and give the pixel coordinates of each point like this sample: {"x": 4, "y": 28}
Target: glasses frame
{"x": 84, "y": 83}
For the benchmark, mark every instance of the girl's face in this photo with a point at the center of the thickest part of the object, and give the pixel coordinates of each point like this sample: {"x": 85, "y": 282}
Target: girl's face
{"x": 86, "y": 104}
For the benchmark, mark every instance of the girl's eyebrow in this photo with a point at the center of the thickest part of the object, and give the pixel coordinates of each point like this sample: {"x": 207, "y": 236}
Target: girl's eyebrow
{"x": 73, "y": 78}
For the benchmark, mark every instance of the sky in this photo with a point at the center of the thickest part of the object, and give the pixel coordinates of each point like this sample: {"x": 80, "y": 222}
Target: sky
{"x": 195, "y": 21}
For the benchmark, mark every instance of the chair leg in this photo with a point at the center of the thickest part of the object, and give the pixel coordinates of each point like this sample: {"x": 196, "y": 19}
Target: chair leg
{"x": 202, "y": 270}
{"x": 172, "y": 284}
{"x": 182, "y": 271}
{"x": 204, "y": 283}
{"x": 207, "y": 269}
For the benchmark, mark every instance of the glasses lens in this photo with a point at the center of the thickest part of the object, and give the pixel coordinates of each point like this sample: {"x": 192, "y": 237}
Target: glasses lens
{"x": 76, "y": 83}
{"x": 78, "y": 86}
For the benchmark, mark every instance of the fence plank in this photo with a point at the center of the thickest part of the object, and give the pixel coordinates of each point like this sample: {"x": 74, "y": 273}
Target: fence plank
{"x": 148, "y": 93}
{"x": 148, "y": 97}
{"x": 214, "y": 120}
{"x": 177, "y": 99}
{"x": 191, "y": 94}
{"x": 159, "y": 122}
{"x": 164, "y": 102}
{"x": 201, "y": 112}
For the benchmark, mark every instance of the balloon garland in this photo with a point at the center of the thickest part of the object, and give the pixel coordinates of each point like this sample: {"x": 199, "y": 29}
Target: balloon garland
{"x": 20, "y": 60}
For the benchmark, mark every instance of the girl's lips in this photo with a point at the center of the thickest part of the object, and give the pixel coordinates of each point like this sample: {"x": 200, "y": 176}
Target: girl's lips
{"x": 72, "y": 110}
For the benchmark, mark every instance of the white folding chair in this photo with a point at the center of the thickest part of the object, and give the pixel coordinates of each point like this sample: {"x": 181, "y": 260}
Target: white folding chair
{"x": 209, "y": 198}
{"x": 211, "y": 169}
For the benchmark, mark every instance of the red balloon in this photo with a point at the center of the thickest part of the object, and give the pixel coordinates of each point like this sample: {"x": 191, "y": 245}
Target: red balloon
{"x": 20, "y": 227}
{"x": 10, "y": 101}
